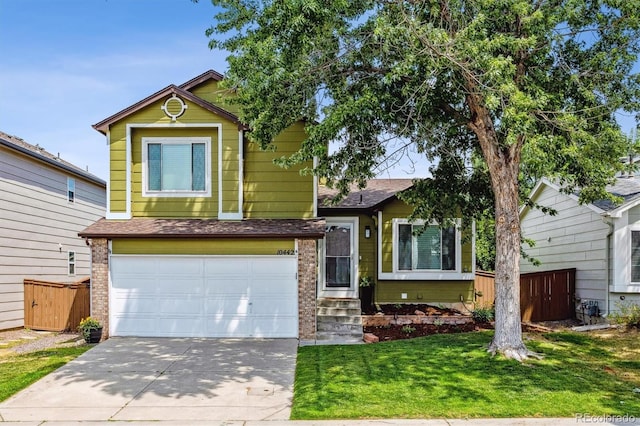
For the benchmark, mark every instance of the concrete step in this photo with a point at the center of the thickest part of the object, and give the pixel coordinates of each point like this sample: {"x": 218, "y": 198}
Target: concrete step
{"x": 341, "y": 319}
{"x": 341, "y": 338}
{"x": 339, "y": 311}
{"x": 339, "y": 303}
{"x": 339, "y": 327}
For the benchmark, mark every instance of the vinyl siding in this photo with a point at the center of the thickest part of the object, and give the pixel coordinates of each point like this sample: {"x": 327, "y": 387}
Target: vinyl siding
{"x": 398, "y": 210}
{"x": 387, "y": 291}
{"x": 431, "y": 292}
{"x": 202, "y": 246}
{"x": 211, "y": 92}
{"x": 35, "y": 219}
{"x": 271, "y": 191}
{"x": 367, "y": 248}
{"x": 203, "y": 207}
{"x": 574, "y": 238}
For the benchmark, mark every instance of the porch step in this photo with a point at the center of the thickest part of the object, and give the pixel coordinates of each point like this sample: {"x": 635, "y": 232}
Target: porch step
{"x": 322, "y": 310}
{"x": 333, "y": 338}
{"x": 329, "y": 302}
{"x": 339, "y": 320}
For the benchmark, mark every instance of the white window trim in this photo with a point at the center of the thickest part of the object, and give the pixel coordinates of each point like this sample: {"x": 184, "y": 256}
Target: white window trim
{"x": 352, "y": 291}
{"x": 69, "y": 180}
{"x": 175, "y": 141}
{"x": 74, "y": 263}
{"x": 423, "y": 274}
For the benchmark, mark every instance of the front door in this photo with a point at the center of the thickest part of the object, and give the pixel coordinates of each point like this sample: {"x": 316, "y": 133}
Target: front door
{"x": 340, "y": 258}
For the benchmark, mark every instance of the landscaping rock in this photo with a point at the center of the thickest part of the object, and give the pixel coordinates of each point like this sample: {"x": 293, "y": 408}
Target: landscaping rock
{"x": 371, "y": 338}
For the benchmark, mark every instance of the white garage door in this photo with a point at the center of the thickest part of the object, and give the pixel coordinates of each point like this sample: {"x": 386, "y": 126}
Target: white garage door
{"x": 189, "y": 296}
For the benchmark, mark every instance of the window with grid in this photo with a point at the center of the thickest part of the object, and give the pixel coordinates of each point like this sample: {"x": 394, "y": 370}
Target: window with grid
{"x": 426, "y": 247}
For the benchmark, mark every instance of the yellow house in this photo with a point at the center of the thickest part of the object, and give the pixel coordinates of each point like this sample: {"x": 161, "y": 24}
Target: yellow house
{"x": 204, "y": 236}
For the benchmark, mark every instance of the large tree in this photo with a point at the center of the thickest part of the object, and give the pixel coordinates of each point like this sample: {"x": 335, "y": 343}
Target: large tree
{"x": 488, "y": 91}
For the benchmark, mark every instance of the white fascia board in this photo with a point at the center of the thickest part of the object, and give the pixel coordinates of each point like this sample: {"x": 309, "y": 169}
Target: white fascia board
{"x": 617, "y": 213}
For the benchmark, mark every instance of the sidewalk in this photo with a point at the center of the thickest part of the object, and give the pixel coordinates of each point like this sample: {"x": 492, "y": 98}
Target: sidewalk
{"x": 592, "y": 420}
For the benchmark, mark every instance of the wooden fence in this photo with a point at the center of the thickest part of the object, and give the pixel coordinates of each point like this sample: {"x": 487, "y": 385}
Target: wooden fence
{"x": 55, "y": 306}
{"x": 544, "y": 296}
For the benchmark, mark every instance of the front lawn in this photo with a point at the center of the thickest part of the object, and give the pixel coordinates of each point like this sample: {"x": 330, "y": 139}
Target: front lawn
{"x": 19, "y": 371}
{"x": 453, "y": 376}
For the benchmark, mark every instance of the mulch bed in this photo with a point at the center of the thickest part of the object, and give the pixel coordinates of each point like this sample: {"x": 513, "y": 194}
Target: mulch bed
{"x": 396, "y": 332}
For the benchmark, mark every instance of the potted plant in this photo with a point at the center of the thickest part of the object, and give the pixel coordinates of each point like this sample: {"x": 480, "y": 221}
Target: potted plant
{"x": 91, "y": 330}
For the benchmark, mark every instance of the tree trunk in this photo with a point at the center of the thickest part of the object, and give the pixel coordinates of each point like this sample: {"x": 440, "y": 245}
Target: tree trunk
{"x": 507, "y": 339}
{"x": 503, "y": 162}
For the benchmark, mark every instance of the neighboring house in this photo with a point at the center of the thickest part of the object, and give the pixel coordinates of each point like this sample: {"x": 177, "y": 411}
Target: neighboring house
{"x": 205, "y": 236}
{"x": 601, "y": 240}
{"x": 44, "y": 202}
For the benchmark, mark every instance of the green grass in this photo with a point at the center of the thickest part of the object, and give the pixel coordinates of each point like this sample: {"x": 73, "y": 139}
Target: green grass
{"x": 453, "y": 376}
{"x": 19, "y": 371}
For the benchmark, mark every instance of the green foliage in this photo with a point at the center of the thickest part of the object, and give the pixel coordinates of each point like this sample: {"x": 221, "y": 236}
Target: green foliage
{"x": 87, "y": 324}
{"x": 550, "y": 77}
{"x": 626, "y": 313}
{"x": 408, "y": 329}
{"x": 483, "y": 314}
{"x": 486, "y": 244}
{"x": 493, "y": 95}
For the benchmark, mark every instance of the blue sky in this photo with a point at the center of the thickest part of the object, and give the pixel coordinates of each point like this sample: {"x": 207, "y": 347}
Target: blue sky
{"x": 68, "y": 64}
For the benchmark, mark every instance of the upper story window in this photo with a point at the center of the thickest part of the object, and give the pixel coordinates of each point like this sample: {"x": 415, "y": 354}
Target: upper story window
{"x": 71, "y": 190}
{"x": 176, "y": 167}
{"x": 425, "y": 247}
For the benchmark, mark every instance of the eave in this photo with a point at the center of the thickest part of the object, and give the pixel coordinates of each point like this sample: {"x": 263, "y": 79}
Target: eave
{"x": 103, "y": 126}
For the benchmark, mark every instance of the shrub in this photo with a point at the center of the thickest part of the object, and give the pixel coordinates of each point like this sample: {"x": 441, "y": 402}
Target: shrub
{"x": 483, "y": 314}
{"x": 408, "y": 329}
{"x": 626, "y": 314}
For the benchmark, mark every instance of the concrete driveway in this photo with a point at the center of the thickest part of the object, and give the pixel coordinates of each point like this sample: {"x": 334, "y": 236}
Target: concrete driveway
{"x": 149, "y": 379}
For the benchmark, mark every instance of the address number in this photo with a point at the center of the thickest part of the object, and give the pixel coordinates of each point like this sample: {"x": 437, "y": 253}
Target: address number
{"x": 286, "y": 252}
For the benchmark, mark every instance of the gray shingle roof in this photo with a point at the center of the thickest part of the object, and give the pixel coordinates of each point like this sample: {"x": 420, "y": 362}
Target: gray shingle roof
{"x": 205, "y": 228}
{"x": 39, "y": 153}
{"x": 626, "y": 188}
{"x": 374, "y": 194}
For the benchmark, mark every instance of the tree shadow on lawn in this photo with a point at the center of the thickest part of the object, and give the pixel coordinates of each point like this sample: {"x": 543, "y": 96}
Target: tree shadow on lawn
{"x": 454, "y": 376}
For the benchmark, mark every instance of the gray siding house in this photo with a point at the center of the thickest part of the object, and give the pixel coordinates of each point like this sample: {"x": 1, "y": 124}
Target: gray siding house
{"x": 44, "y": 203}
{"x": 601, "y": 240}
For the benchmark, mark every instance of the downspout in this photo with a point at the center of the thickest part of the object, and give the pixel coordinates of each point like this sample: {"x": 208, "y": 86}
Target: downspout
{"x": 607, "y": 261}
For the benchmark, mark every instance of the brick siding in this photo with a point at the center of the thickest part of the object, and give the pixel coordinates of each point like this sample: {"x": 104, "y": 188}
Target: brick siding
{"x": 100, "y": 283}
{"x": 307, "y": 275}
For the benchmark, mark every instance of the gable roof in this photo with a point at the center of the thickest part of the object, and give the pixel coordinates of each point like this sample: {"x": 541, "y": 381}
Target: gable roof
{"x": 627, "y": 188}
{"x": 172, "y": 89}
{"x": 37, "y": 152}
{"x": 374, "y": 195}
{"x": 202, "y": 78}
